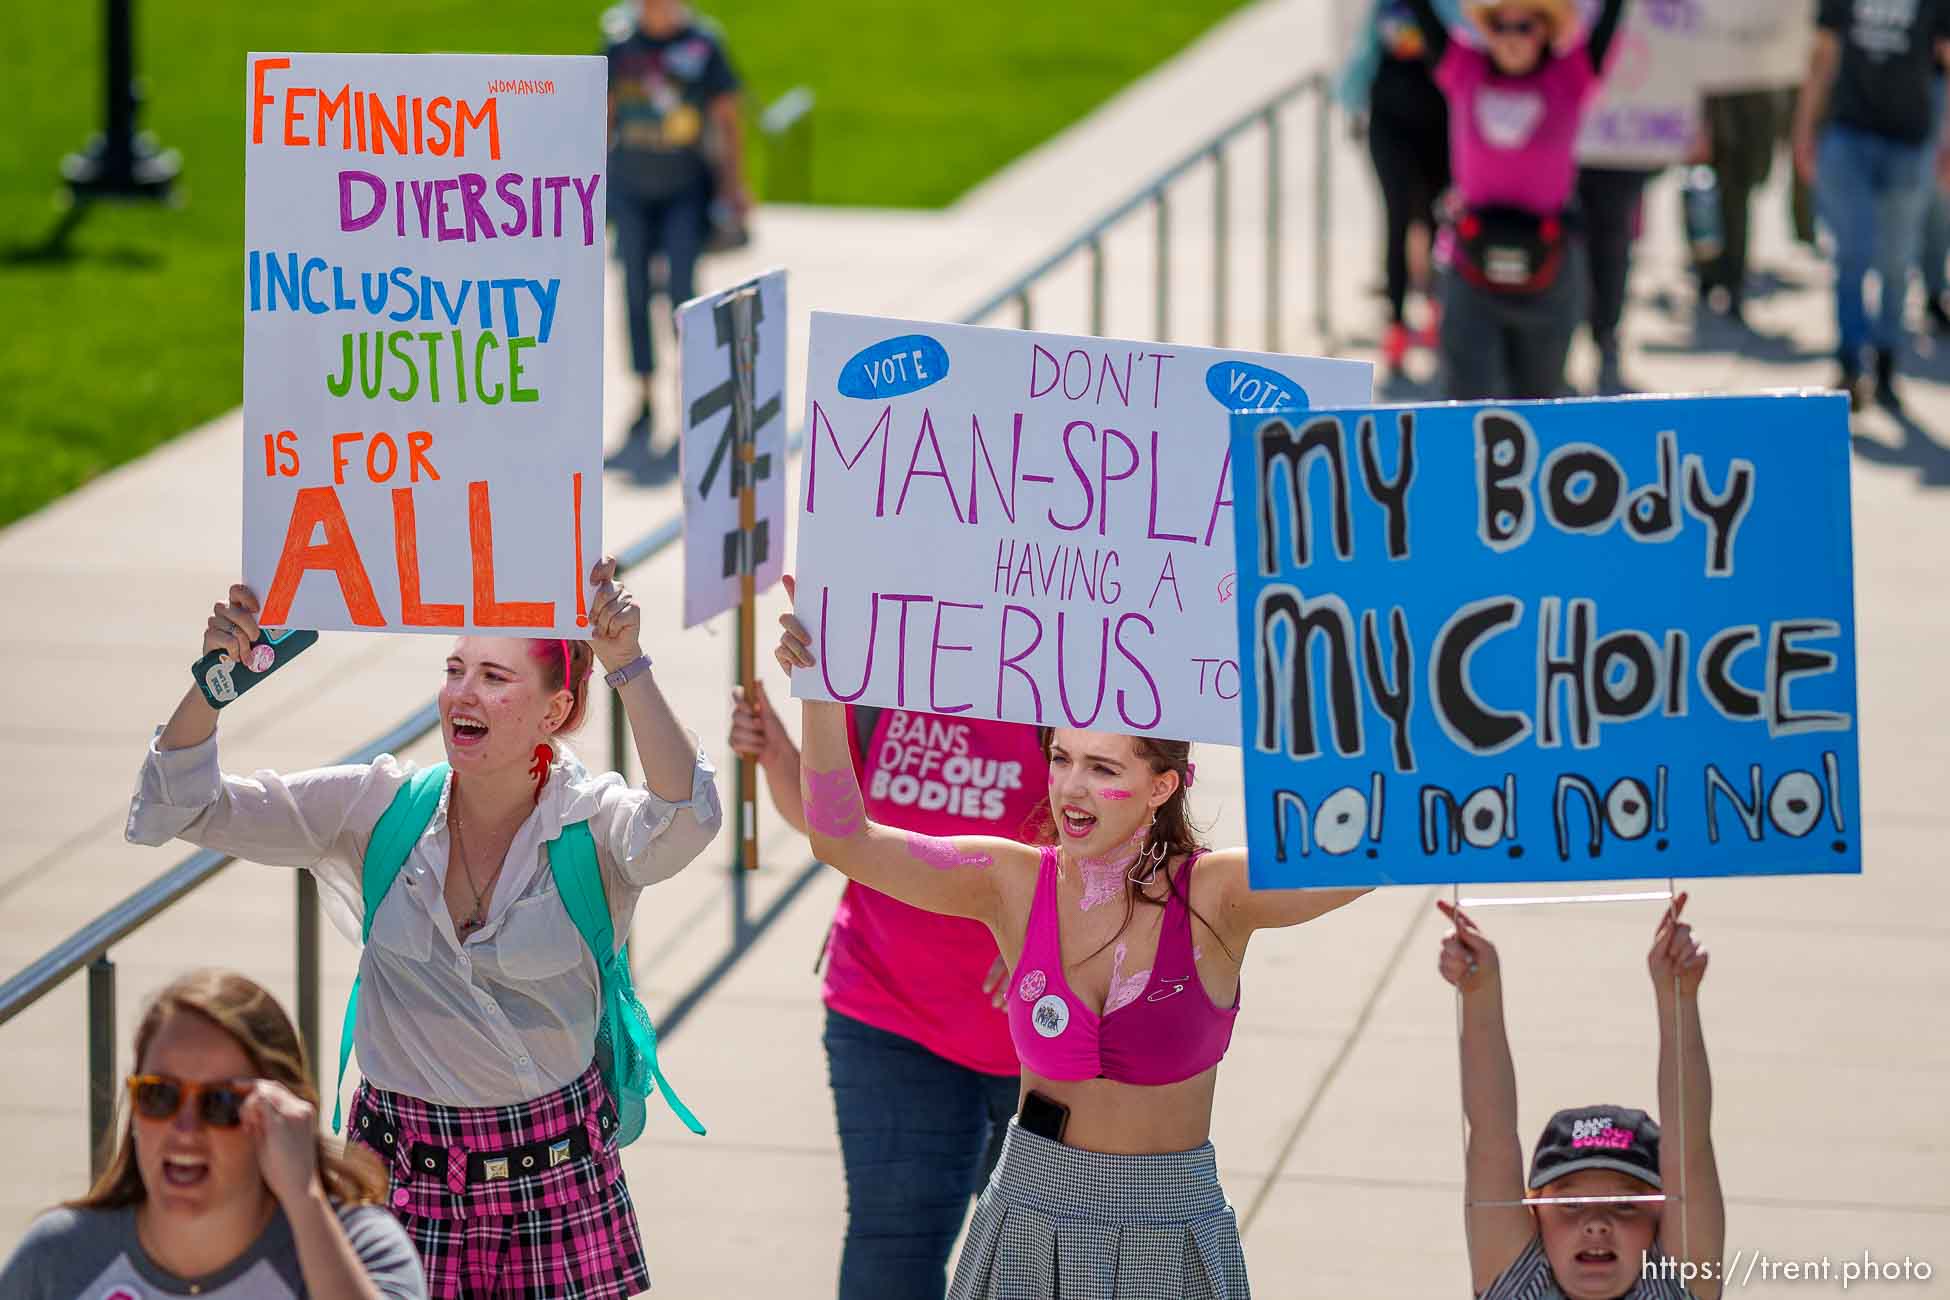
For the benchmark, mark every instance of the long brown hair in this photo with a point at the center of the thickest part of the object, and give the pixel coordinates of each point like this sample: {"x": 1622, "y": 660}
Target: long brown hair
{"x": 1172, "y": 834}
{"x": 251, "y": 1016}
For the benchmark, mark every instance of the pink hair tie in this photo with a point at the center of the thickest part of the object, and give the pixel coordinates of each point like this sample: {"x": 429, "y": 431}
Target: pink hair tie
{"x": 1191, "y": 770}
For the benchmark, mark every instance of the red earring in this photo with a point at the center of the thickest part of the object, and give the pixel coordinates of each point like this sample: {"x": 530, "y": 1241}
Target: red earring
{"x": 544, "y": 756}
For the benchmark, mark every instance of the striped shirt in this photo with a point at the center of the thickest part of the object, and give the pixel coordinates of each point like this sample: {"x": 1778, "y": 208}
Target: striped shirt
{"x": 1530, "y": 1278}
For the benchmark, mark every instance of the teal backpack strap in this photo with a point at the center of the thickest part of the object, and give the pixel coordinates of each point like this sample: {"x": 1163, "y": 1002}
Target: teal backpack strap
{"x": 399, "y": 829}
{"x": 631, "y": 1038}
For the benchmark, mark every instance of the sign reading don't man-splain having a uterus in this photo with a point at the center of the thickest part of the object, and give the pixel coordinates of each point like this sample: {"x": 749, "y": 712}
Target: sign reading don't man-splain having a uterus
{"x": 1029, "y": 527}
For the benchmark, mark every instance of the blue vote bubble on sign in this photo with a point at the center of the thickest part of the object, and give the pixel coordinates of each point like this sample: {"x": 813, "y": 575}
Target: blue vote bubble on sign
{"x": 1548, "y": 641}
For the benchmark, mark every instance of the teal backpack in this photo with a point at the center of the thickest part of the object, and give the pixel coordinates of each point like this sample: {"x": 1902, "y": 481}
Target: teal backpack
{"x": 626, "y": 1041}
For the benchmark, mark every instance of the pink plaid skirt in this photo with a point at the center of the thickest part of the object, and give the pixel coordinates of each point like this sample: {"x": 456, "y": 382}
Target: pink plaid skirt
{"x": 510, "y": 1201}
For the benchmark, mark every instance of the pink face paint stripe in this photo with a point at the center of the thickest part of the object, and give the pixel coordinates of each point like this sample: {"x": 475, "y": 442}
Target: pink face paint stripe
{"x": 833, "y": 804}
{"x": 942, "y": 854}
{"x": 1113, "y": 794}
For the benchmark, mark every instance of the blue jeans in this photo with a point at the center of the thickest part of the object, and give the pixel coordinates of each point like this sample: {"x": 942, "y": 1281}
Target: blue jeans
{"x": 1871, "y": 190}
{"x": 674, "y": 226}
{"x": 919, "y": 1136}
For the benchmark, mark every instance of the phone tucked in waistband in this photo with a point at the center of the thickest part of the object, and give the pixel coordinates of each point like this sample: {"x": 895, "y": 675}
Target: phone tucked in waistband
{"x": 1043, "y": 1117}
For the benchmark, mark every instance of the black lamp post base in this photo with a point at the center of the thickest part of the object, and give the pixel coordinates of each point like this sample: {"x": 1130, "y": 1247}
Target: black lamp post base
{"x": 138, "y": 169}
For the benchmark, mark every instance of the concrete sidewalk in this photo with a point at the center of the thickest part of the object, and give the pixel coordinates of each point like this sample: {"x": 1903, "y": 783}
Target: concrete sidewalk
{"x": 1337, "y": 1122}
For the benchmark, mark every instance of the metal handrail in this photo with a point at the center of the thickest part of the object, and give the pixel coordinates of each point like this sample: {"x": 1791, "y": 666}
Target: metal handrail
{"x": 88, "y": 947}
{"x": 1154, "y": 194}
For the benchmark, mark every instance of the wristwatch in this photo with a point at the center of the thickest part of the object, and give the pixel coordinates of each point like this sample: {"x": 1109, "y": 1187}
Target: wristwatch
{"x": 629, "y": 672}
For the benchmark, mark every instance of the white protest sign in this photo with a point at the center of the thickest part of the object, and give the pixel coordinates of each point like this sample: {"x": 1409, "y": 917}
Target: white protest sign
{"x": 711, "y": 471}
{"x": 423, "y": 314}
{"x": 1030, "y": 527}
{"x": 1754, "y": 45}
{"x": 1648, "y": 114}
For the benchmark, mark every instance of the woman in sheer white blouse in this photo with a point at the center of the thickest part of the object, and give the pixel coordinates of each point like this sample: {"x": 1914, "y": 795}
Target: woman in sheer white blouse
{"x": 478, "y": 999}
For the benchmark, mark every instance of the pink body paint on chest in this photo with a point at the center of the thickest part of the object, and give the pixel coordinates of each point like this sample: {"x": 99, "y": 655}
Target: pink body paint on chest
{"x": 1124, "y": 989}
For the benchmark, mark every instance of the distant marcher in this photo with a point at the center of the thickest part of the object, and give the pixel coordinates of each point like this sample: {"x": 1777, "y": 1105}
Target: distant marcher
{"x": 1741, "y": 128}
{"x": 674, "y": 149}
{"x": 1514, "y": 292}
{"x": 1387, "y": 83}
{"x": 1604, "y": 1245}
{"x": 492, "y": 896}
{"x": 1862, "y": 134}
{"x": 1611, "y": 204}
{"x": 220, "y": 1186}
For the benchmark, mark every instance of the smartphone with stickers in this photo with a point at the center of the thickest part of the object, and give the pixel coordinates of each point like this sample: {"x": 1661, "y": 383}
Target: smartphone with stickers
{"x": 1043, "y": 1117}
{"x": 222, "y": 679}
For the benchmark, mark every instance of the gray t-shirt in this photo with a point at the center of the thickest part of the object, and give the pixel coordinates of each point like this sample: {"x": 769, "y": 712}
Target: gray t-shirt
{"x": 94, "y": 1255}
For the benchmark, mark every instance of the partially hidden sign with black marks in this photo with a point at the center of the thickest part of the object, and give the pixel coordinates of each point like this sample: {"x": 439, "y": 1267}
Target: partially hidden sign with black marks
{"x": 1548, "y": 641}
{"x": 716, "y": 549}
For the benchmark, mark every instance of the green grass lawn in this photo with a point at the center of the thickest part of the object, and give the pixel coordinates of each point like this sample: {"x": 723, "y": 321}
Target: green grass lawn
{"x": 130, "y": 331}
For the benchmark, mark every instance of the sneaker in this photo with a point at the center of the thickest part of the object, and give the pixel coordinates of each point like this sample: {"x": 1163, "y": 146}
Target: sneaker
{"x": 1886, "y": 394}
{"x": 1850, "y": 381}
{"x": 1394, "y": 346}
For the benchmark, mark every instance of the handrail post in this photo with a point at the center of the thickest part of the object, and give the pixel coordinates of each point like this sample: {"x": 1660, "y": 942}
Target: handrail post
{"x": 1273, "y": 228}
{"x": 1323, "y": 214}
{"x": 1161, "y": 326}
{"x": 1097, "y": 285}
{"x": 101, "y": 1062}
{"x": 1221, "y": 271}
{"x": 1025, "y": 319}
{"x": 307, "y": 915}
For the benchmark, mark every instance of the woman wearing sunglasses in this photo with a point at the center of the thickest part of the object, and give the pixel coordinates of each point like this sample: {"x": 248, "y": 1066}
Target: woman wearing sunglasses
{"x": 1514, "y": 292}
{"x": 479, "y": 999}
{"x": 1627, "y": 1213}
{"x": 220, "y": 1186}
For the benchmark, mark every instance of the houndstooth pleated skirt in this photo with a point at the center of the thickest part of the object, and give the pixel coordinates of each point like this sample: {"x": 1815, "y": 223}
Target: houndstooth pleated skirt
{"x": 1058, "y": 1223}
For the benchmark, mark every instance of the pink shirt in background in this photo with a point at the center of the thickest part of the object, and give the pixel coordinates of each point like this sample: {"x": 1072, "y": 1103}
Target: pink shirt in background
{"x": 1513, "y": 140}
{"x": 911, "y": 972}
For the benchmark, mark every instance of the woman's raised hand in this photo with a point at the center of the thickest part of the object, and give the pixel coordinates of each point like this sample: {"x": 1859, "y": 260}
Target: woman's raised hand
{"x": 615, "y": 619}
{"x": 1676, "y": 959}
{"x": 756, "y": 732}
{"x": 1468, "y": 959}
{"x": 284, "y": 1128}
{"x": 233, "y": 625}
{"x": 795, "y": 643}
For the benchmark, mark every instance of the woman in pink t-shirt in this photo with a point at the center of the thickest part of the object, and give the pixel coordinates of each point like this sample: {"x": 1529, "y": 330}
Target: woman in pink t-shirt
{"x": 923, "y": 1072}
{"x": 1513, "y": 294}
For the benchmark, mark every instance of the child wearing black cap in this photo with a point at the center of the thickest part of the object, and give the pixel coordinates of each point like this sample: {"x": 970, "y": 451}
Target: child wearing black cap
{"x": 1637, "y": 1203}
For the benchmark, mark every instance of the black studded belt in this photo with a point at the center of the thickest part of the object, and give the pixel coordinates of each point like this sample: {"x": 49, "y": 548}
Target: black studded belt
{"x": 430, "y": 1160}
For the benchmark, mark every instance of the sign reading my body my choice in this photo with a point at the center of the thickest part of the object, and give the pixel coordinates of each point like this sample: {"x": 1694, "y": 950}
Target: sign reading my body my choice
{"x": 1549, "y": 641}
{"x": 1029, "y": 527}
{"x": 423, "y": 309}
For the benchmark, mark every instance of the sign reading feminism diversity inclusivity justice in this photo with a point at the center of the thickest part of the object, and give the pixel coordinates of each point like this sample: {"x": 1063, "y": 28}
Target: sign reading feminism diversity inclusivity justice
{"x": 1548, "y": 641}
{"x": 423, "y": 310}
{"x": 1029, "y": 527}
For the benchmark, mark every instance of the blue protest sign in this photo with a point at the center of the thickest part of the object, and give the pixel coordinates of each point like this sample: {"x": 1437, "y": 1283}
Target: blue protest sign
{"x": 1589, "y": 640}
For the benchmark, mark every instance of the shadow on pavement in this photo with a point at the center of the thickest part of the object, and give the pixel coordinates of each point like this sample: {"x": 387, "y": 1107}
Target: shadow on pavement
{"x": 1918, "y": 450}
{"x": 642, "y": 463}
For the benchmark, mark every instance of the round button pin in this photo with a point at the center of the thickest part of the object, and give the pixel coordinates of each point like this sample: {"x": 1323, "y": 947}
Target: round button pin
{"x": 1050, "y": 1015}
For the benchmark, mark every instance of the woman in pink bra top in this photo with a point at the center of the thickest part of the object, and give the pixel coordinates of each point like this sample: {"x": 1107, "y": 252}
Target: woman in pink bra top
{"x": 1124, "y": 940}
